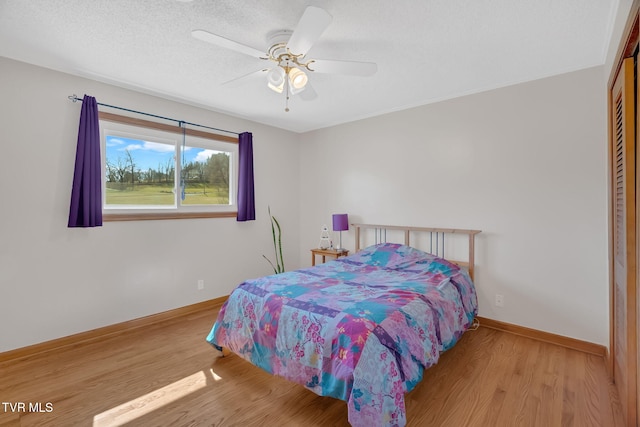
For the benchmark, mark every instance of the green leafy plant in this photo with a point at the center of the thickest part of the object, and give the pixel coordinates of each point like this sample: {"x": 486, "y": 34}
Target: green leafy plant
{"x": 277, "y": 245}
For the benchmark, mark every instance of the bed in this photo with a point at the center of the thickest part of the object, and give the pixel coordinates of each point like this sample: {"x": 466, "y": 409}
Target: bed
{"x": 361, "y": 328}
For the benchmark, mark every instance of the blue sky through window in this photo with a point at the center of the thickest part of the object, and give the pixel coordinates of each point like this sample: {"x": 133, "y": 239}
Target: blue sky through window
{"x": 150, "y": 155}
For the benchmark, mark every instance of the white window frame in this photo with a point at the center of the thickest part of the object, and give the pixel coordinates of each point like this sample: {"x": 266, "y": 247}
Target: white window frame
{"x": 111, "y": 124}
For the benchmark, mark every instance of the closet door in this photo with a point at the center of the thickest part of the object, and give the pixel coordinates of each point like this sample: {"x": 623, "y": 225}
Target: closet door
{"x": 623, "y": 293}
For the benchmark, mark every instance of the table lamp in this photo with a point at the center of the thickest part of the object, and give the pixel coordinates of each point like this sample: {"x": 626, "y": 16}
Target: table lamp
{"x": 340, "y": 223}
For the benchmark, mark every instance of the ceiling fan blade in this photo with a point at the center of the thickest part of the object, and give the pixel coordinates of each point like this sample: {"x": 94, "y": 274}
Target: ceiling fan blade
{"x": 228, "y": 44}
{"x": 309, "y": 93}
{"x": 351, "y": 68}
{"x": 246, "y": 78}
{"x": 310, "y": 27}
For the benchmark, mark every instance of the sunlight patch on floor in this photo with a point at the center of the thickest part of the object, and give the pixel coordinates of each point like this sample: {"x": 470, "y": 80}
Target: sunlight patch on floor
{"x": 148, "y": 403}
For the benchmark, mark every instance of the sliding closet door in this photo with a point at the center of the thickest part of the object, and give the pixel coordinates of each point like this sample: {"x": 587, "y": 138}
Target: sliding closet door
{"x": 623, "y": 295}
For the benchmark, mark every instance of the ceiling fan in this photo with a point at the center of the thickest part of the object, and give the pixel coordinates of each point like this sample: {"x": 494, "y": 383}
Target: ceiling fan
{"x": 288, "y": 50}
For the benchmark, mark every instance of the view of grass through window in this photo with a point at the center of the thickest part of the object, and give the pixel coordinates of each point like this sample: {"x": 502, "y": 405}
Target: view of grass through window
{"x": 144, "y": 173}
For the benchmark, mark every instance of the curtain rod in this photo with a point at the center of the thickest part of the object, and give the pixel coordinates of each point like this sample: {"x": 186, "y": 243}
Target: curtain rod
{"x": 74, "y": 98}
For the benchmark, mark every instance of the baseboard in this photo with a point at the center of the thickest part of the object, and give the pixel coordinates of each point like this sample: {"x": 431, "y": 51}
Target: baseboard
{"x": 118, "y": 328}
{"x": 572, "y": 343}
{"x": 106, "y": 331}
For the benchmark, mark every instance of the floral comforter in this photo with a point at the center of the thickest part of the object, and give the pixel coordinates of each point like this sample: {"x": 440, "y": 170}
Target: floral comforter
{"x": 361, "y": 328}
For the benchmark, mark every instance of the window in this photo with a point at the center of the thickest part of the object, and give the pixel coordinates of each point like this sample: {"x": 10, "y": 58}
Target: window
{"x": 153, "y": 171}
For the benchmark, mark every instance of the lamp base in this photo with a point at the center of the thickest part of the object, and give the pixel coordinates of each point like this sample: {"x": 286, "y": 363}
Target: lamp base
{"x": 339, "y": 248}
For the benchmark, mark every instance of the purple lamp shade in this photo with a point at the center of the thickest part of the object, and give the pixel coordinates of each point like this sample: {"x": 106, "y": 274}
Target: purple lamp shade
{"x": 340, "y": 222}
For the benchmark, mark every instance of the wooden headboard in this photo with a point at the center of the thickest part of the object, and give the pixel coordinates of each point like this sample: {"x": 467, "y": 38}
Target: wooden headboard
{"x": 436, "y": 236}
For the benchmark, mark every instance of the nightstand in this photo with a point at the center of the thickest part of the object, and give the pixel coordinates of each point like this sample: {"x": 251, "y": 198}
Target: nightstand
{"x": 327, "y": 252}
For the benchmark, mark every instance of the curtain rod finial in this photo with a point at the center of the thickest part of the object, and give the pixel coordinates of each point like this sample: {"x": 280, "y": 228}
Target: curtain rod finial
{"x": 74, "y": 98}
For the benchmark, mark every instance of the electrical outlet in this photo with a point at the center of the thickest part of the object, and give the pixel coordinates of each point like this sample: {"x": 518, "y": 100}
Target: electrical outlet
{"x": 499, "y": 300}
{"x": 200, "y": 284}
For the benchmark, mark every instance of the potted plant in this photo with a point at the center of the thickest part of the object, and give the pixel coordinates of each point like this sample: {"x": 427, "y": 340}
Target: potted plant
{"x": 277, "y": 245}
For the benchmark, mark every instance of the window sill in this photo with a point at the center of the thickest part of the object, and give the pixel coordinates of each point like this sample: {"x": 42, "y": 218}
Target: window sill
{"x": 166, "y": 215}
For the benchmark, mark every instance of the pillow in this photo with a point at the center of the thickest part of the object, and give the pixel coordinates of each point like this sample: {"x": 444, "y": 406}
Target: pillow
{"x": 397, "y": 256}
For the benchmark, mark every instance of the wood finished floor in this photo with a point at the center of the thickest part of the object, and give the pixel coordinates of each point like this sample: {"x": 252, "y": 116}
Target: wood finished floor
{"x": 167, "y": 375}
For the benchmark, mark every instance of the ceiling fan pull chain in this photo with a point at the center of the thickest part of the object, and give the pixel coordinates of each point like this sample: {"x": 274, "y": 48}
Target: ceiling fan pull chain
{"x": 286, "y": 103}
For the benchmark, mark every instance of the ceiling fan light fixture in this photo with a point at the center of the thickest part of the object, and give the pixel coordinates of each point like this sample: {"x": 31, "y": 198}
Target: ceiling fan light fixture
{"x": 275, "y": 79}
{"x": 297, "y": 78}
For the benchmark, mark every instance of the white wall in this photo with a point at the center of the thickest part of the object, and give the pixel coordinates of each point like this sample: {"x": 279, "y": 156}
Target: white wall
{"x": 525, "y": 164}
{"x": 56, "y": 281}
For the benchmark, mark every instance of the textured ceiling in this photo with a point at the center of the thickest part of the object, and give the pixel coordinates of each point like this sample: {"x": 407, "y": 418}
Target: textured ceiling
{"x": 426, "y": 50}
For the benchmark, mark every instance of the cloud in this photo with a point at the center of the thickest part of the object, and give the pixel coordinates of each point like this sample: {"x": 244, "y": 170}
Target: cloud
{"x": 150, "y": 146}
{"x": 204, "y": 155}
{"x": 132, "y": 147}
{"x": 160, "y": 148}
{"x": 114, "y": 142}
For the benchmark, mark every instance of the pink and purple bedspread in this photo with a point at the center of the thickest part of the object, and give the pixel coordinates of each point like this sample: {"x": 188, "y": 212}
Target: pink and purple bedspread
{"x": 361, "y": 328}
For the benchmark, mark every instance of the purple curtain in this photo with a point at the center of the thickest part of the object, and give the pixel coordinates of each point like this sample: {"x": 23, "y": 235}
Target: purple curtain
{"x": 246, "y": 197}
{"x": 86, "y": 193}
